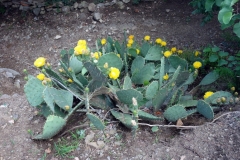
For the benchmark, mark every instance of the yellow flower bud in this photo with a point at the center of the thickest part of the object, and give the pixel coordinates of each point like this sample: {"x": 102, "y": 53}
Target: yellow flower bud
{"x": 138, "y": 51}
{"x": 173, "y": 50}
{"x": 165, "y": 77}
{"x": 232, "y": 88}
{"x": 158, "y": 41}
{"x": 163, "y": 43}
{"x": 236, "y": 93}
{"x": 147, "y": 38}
{"x": 67, "y": 107}
{"x": 223, "y": 99}
{"x": 70, "y": 80}
{"x": 131, "y": 37}
{"x": 105, "y": 65}
{"x": 130, "y": 41}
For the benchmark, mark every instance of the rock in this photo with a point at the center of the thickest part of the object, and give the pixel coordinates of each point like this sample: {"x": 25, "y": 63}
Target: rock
{"x": 24, "y": 8}
{"x": 97, "y": 16}
{"x": 65, "y": 9}
{"x": 36, "y": 11}
{"x": 167, "y": 10}
{"x": 82, "y": 16}
{"x": 120, "y": 5}
{"x": 126, "y": 1}
{"x": 92, "y": 7}
{"x": 9, "y": 73}
{"x": 83, "y": 4}
{"x": 75, "y": 5}
{"x": 57, "y": 37}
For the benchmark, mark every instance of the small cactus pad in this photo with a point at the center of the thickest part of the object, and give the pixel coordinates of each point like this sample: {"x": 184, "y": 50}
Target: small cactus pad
{"x": 125, "y": 96}
{"x": 96, "y": 121}
{"x": 154, "y": 53}
{"x": 214, "y": 97}
{"x": 205, "y": 109}
{"x": 175, "y": 112}
{"x": 127, "y": 84}
{"x": 126, "y": 119}
{"x": 52, "y": 126}
{"x": 209, "y": 78}
{"x": 33, "y": 90}
{"x": 152, "y": 90}
{"x": 146, "y": 116}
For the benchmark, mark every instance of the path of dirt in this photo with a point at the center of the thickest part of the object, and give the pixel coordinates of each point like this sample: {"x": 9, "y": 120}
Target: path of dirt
{"x": 24, "y": 38}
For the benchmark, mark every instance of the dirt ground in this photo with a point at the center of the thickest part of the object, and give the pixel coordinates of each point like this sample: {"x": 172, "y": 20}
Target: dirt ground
{"x": 25, "y": 37}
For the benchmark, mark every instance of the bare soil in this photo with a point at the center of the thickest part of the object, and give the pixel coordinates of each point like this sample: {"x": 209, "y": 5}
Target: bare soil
{"x": 25, "y": 37}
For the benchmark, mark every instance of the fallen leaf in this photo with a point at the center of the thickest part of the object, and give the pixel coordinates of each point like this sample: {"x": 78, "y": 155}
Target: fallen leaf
{"x": 179, "y": 122}
{"x": 48, "y": 151}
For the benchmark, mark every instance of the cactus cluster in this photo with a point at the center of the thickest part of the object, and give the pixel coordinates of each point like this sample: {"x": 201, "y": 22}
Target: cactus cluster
{"x": 140, "y": 85}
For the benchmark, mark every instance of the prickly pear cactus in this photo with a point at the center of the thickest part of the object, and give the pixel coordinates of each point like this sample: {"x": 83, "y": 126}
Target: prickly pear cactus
{"x": 175, "y": 112}
{"x": 126, "y": 119}
{"x": 205, "y": 109}
{"x": 146, "y": 116}
{"x": 33, "y": 90}
{"x": 96, "y": 121}
{"x": 52, "y": 126}
{"x": 125, "y": 96}
{"x": 213, "y": 99}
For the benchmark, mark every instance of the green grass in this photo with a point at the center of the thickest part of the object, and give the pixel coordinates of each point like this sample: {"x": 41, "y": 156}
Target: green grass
{"x": 64, "y": 147}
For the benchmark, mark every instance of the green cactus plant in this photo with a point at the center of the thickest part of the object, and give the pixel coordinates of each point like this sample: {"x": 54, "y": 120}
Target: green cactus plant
{"x": 96, "y": 121}
{"x": 33, "y": 90}
{"x": 52, "y": 126}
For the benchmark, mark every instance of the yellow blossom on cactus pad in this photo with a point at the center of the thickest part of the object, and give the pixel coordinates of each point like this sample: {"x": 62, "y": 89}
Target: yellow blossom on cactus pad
{"x": 105, "y": 65}
{"x": 67, "y": 107}
{"x": 80, "y": 49}
{"x": 197, "y": 53}
{"x": 207, "y": 94}
{"x": 129, "y": 45}
{"x": 147, "y": 38}
{"x": 40, "y": 62}
{"x": 70, "y": 80}
{"x": 41, "y": 76}
{"x": 130, "y": 41}
{"x": 163, "y": 43}
{"x": 165, "y": 77}
{"x": 197, "y": 64}
{"x": 173, "y": 50}
{"x": 158, "y": 41}
{"x": 180, "y": 51}
{"x": 167, "y": 54}
{"x": 97, "y": 55}
{"x": 103, "y": 41}
{"x": 138, "y": 51}
{"x": 114, "y": 73}
{"x": 131, "y": 37}
{"x": 82, "y": 43}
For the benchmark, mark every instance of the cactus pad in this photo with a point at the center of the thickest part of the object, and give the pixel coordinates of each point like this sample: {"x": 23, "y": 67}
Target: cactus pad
{"x": 154, "y": 53}
{"x": 126, "y": 119}
{"x": 205, "y": 109}
{"x": 33, "y": 90}
{"x": 125, "y": 96}
{"x": 175, "y": 112}
{"x": 146, "y": 116}
{"x": 96, "y": 121}
{"x": 52, "y": 126}
{"x": 151, "y": 90}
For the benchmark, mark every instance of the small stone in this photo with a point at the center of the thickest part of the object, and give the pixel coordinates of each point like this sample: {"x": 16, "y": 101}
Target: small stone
{"x": 83, "y": 4}
{"x": 36, "y": 11}
{"x": 75, "y": 5}
{"x": 97, "y": 16}
{"x": 11, "y": 121}
{"x": 65, "y": 9}
{"x": 167, "y": 10}
{"x": 126, "y": 1}
{"x": 92, "y": 7}
{"x": 57, "y": 37}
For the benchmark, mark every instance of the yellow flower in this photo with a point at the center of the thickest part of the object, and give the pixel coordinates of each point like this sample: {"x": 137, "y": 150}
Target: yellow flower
{"x": 130, "y": 41}
{"x": 158, "y": 41}
{"x": 70, "y": 80}
{"x": 97, "y": 55}
{"x": 163, "y": 43}
{"x": 138, "y": 51}
{"x": 67, "y": 107}
{"x": 80, "y": 49}
{"x": 40, "y": 62}
{"x": 207, "y": 94}
{"x": 103, "y": 41}
{"x": 167, "y": 54}
{"x": 82, "y": 43}
{"x": 180, "y": 51}
{"x": 173, "y": 50}
{"x": 114, "y": 73}
{"x": 105, "y": 65}
{"x": 197, "y": 64}
{"x": 131, "y": 37}
{"x": 41, "y": 76}
{"x": 165, "y": 77}
{"x": 147, "y": 38}
{"x": 129, "y": 45}
{"x": 197, "y": 53}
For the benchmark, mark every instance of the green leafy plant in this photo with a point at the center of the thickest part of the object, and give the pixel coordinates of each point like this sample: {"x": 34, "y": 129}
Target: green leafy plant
{"x": 123, "y": 78}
